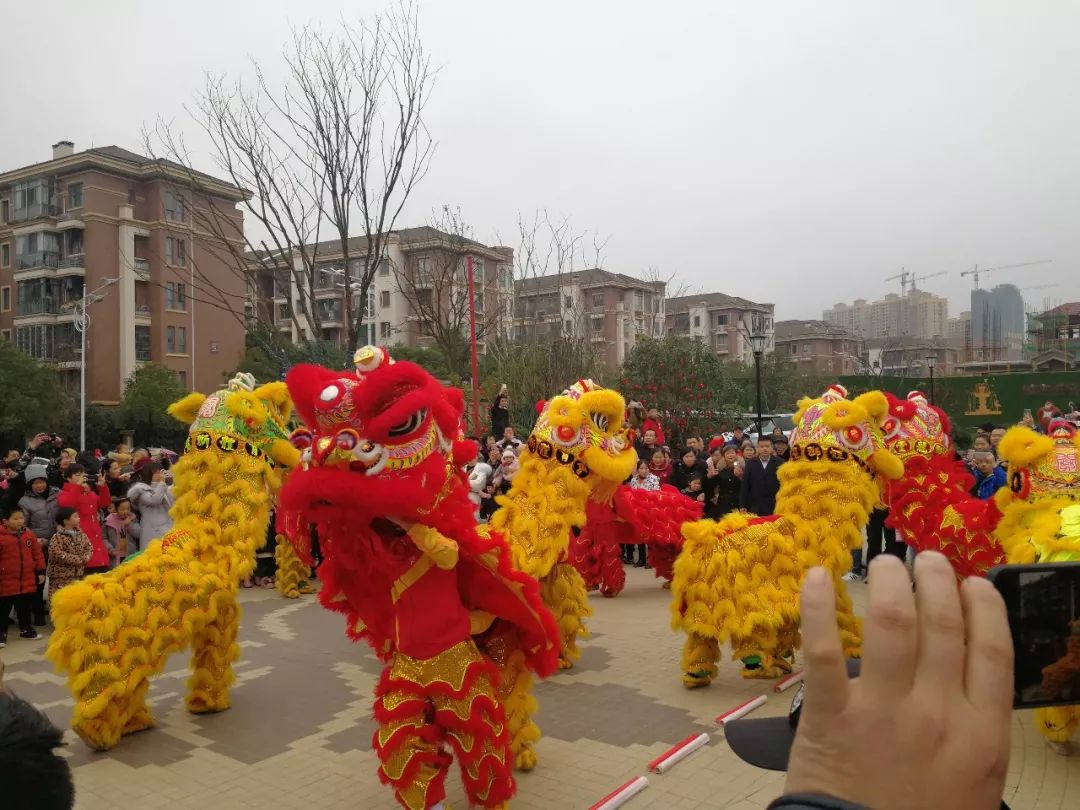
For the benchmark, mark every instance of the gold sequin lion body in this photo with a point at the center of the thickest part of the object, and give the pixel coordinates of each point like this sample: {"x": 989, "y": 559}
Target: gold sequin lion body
{"x": 1040, "y": 523}
{"x": 114, "y": 631}
{"x": 737, "y": 580}
{"x": 578, "y": 450}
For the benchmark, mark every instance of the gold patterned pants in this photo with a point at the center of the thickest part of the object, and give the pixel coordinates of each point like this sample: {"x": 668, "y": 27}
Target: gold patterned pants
{"x": 424, "y": 704}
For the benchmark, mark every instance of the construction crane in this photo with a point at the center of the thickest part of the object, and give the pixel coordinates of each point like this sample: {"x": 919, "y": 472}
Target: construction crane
{"x": 977, "y": 270}
{"x": 903, "y": 276}
{"x": 917, "y": 279}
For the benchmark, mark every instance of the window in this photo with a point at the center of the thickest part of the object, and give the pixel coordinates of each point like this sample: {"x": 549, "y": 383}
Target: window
{"x": 639, "y": 302}
{"x": 425, "y": 329}
{"x": 423, "y": 299}
{"x": 369, "y": 310}
{"x": 74, "y": 195}
{"x": 181, "y": 377}
{"x": 384, "y": 330}
{"x": 384, "y": 299}
{"x": 479, "y": 301}
{"x": 384, "y": 268}
{"x": 5, "y": 210}
{"x": 721, "y": 319}
{"x": 423, "y": 270}
{"x": 697, "y": 320}
{"x": 131, "y": 196}
{"x": 174, "y": 208}
{"x": 5, "y": 334}
{"x": 328, "y": 309}
{"x": 325, "y": 275}
{"x": 5, "y": 299}
{"x": 175, "y": 251}
{"x": 598, "y": 300}
{"x": 806, "y": 348}
{"x": 5, "y": 254}
{"x": 794, "y": 349}
{"x": 142, "y": 344}
{"x": 284, "y": 312}
{"x": 176, "y": 340}
{"x": 568, "y": 302}
{"x": 176, "y": 296}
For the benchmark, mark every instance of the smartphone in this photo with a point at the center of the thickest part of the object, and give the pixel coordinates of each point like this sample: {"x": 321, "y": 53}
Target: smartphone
{"x": 1043, "y": 602}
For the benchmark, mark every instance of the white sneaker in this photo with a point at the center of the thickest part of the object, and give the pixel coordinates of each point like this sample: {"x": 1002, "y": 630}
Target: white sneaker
{"x": 851, "y": 576}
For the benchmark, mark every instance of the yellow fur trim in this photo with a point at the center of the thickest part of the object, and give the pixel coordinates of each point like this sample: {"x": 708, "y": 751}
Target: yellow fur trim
{"x": 277, "y": 394}
{"x": 1058, "y": 723}
{"x": 186, "y": 409}
{"x": 563, "y": 590}
{"x": 886, "y": 465}
{"x": 284, "y": 453}
{"x": 1021, "y": 446}
{"x": 291, "y": 570}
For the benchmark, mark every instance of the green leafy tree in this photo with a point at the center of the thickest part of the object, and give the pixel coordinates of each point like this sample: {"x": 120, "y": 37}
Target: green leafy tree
{"x": 147, "y": 395}
{"x": 782, "y": 385}
{"x": 33, "y": 399}
{"x": 684, "y": 380}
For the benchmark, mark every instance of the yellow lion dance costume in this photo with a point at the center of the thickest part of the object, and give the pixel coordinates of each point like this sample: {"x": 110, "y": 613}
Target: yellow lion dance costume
{"x": 737, "y": 581}
{"x": 115, "y": 630}
{"x": 1040, "y": 523}
{"x": 578, "y": 450}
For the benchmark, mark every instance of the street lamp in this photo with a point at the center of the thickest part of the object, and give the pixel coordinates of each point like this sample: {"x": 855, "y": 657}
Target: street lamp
{"x": 757, "y": 346}
{"x": 931, "y": 363}
{"x": 82, "y": 324}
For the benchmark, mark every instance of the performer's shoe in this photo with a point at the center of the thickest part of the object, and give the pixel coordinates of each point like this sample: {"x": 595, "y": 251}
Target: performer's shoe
{"x": 1063, "y": 749}
{"x": 695, "y": 680}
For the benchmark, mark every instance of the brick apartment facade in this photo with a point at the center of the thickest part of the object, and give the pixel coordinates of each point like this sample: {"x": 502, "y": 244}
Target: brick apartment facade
{"x": 723, "y": 322}
{"x": 422, "y": 274}
{"x": 817, "y": 347}
{"x": 610, "y": 309}
{"x": 70, "y": 223}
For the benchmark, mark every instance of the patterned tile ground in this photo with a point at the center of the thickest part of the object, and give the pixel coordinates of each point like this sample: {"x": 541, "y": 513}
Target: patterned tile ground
{"x": 299, "y": 732}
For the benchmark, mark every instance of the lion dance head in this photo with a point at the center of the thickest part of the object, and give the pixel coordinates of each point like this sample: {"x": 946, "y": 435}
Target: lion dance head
{"x": 1041, "y": 505}
{"x": 583, "y": 429}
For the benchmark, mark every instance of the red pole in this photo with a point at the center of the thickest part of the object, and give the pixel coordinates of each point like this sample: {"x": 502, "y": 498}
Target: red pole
{"x": 472, "y": 349}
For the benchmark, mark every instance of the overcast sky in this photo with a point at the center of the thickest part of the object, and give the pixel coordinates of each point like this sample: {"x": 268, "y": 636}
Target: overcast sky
{"x": 792, "y": 152}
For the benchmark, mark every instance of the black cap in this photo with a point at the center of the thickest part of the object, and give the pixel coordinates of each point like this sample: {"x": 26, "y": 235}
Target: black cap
{"x": 765, "y": 742}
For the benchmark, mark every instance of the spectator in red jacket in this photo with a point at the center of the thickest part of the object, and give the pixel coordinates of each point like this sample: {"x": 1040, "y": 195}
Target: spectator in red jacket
{"x": 22, "y": 567}
{"x": 652, "y": 422}
{"x": 88, "y": 501}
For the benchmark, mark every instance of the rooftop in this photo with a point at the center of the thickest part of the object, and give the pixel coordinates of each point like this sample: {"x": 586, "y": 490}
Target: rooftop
{"x": 587, "y": 278}
{"x": 712, "y": 301}
{"x": 1070, "y": 310}
{"x": 792, "y": 330}
{"x": 124, "y": 161}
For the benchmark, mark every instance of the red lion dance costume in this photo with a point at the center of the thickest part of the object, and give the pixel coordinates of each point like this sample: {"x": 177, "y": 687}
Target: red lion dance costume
{"x": 931, "y": 504}
{"x": 653, "y": 517}
{"x": 382, "y": 483}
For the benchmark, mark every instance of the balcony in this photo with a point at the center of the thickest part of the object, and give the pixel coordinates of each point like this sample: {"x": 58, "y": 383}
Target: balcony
{"x": 142, "y": 312}
{"x": 142, "y": 269}
{"x": 75, "y": 262}
{"x": 42, "y": 259}
{"x": 69, "y": 219}
{"x": 33, "y": 211}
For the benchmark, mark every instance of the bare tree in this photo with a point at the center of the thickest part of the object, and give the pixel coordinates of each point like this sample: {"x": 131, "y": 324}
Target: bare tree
{"x": 341, "y": 145}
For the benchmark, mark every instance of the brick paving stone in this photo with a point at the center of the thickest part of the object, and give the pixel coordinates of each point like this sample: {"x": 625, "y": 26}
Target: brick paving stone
{"x": 299, "y": 732}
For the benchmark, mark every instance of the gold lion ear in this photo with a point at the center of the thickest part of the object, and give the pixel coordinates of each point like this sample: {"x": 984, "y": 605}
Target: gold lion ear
{"x": 186, "y": 409}
{"x": 276, "y": 393}
{"x": 875, "y": 403}
{"x": 1022, "y": 446}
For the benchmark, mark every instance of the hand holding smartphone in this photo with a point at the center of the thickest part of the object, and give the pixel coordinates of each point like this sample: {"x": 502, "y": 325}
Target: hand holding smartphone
{"x": 1043, "y": 604}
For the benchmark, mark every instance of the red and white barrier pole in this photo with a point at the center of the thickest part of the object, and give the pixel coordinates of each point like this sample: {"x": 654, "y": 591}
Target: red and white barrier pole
{"x": 788, "y": 682}
{"x": 678, "y": 752}
{"x": 741, "y": 710}
{"x": 622, "y": 794}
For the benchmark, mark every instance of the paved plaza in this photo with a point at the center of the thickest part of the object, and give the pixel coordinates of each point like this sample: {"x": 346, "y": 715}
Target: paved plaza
{"x": 299, "y": 732}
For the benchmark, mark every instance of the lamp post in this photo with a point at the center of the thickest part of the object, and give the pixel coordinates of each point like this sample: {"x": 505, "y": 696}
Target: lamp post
{"x": 931, "y": 363}
{"x": 472, "y": 346}
{"x": 757, "y": 345}
{"x": 82, "y": 324}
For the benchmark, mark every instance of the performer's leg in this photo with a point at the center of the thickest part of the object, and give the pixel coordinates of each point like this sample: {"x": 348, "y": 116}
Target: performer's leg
{"x": 1058, "y": 724}
{"x": 699, "y": 658}
{"x": 411, "y": 758}
{"x": 214, "y": 649}
{"x": 137, "y": 712}
{"x": 875, "y": 530}
{"x": 515, "y": 693}
{"x": 475, "y": 726}
{"x": 563, "y": 591}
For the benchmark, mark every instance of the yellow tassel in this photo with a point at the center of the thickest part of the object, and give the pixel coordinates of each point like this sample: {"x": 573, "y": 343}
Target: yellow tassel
{"x": 291, "y": 571}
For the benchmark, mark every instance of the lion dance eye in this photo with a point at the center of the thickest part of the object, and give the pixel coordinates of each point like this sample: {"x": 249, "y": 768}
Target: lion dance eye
{"x": 301, "y": 439}
{"x": 409, "y": 425}
{"x": 601, "y": 421}
{"x": 854, "y": 435}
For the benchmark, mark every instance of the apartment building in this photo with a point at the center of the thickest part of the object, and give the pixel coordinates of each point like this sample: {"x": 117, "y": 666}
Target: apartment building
{"x": 610, "y": 309}
{"x": 917, "y": 314}
{"x": 908, "y": 358}
{"x": 725, "y": 322}
{"x": 817, "y": 347}
{"x": 998, "y": 324}
{"x": 421, "y": 278}
{"x": 118, "y": 223}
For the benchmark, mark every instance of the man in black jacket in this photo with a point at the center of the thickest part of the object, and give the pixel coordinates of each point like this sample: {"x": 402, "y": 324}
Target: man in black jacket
{"x": 759, "y": 483}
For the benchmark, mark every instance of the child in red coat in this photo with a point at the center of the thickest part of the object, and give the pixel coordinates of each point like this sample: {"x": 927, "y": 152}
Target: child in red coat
{"x": 77, "y": 494}
{"x": 22, "y": 567}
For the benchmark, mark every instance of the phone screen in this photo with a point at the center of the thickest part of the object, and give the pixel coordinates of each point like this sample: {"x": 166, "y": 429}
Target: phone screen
{"x": 1044, "y": 615}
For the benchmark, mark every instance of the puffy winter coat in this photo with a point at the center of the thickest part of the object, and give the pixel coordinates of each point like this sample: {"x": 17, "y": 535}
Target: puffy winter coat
{"x": 21, "y": 560}
{"x": 40, "y": 511}
{"x": 89, "y": 503}
{"x": 153, "y": 502}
